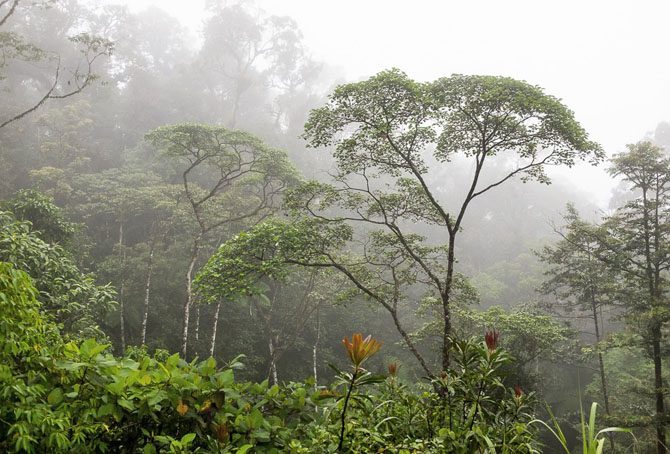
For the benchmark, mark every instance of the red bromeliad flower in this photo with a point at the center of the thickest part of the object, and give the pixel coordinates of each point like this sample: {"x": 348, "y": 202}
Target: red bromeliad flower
{"x": 518, "y": 392}
{"x": 491, "y": 338}
{"x": 393, "y": 369}
{"x": 360, "y": 349}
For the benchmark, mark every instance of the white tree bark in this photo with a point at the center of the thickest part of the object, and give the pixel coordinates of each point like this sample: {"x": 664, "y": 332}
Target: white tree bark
{"x": 147, "y": 294}
{"x": 215, "y": 325}
{"x": 189, "y": 297}
{"x": 273, "y": 361}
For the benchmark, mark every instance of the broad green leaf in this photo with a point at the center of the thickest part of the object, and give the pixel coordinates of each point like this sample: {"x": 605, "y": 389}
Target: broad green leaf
{"x": 55, "y": 396}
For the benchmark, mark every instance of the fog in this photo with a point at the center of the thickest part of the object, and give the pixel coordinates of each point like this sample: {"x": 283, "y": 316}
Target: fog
{"x": 184, "y": 180}
{"x": 604, "y": 59}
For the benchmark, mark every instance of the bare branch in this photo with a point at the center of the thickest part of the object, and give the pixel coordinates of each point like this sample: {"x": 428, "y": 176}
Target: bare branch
{"x": 12, "y": 8}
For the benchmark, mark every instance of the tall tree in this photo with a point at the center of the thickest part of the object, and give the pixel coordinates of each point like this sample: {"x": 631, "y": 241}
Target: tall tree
{"x": 389, "y": 134}
{"x": 229, "y": 178}
{"x": 581, "y": 283}
{"x": 638, "y": 239}
{"x": 634, "y": 243}
{"x": 245, "y": 54}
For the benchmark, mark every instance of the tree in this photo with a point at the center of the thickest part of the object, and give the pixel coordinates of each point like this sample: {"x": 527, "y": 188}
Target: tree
{"x": 634, "y": 244}
{"x": 64, "y": 82}
{"x": 389, "y": 133}
{"x": 245, "y": 55}
{"x": 637, "y": 244}
{"x": 120, "y": 197}
{"x": 255, "y": 266}
{"x": 580, "y": 282}
{"x": 229, "y": 177}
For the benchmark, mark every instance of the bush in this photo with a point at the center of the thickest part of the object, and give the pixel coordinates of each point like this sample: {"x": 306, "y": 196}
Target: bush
{"x": 60, "y": 396}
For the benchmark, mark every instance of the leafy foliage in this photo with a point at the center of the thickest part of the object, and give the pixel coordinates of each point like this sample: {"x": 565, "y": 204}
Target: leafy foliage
{"x": 46, "y": 219}
{"x": 87, "y": 400}
{"x": 73, "y": 298}
{"x": 389, "y": 133}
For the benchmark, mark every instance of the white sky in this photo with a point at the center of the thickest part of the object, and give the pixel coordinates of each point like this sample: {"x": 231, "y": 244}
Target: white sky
{"x": 607, "y": 60}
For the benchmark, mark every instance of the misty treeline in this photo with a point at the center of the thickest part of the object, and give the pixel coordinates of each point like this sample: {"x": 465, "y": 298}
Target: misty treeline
{"x": 169, "y": 198}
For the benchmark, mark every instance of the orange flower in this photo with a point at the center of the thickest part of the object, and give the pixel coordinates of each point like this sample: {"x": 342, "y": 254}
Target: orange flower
{"x": 518, "y": 392}
{"x": 360, "y": 349}
{"x": 182, "y": 408}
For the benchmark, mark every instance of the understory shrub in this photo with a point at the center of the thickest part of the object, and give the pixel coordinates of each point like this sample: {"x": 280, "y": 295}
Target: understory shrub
{"x": 59, "y": 396}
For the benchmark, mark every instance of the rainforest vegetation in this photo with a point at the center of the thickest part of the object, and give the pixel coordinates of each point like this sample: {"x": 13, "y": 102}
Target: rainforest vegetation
{"x": 222, "y": 245}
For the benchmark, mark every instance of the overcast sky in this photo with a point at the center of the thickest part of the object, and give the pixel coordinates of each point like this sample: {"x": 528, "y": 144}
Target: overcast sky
{"x": 607, "y": 60}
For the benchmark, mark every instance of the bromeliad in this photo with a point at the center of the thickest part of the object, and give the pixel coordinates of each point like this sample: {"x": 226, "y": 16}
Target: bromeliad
{"x": 360, "y": 349}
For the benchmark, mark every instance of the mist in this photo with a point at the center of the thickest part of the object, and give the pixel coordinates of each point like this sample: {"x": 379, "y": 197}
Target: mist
{"x": 231, "y": 188}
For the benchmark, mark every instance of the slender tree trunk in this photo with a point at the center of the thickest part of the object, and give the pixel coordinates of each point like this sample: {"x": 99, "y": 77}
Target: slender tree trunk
{"x": 215, "y": 325}
{"x": 236, "y": 106}
{"x": 601, "y": 363}
{"x": 147, "y": 294}
{"x": 122, "y": 321}
{"x": 189, "y": 296}
{"x": 197, "y": 323}
{"x": 273, "y": 360}
{"x": 314, "y": 349}
{"x": 410, "y": 344}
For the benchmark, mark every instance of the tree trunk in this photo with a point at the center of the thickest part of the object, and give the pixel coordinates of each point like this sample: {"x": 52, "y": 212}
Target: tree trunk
{"x": 122, "y": 321}
{"x": 189, "y": 297}
{"x": 410, "y": 344}
{"x": 236, "y": 106}
{"x": 273, "y": 360}
{"x": 314, "y": 349}
{"x": 197, "y": 323}
{"x": 147, "y": 294}
{"x": 601, "y": 363}
{"x": 215, "y": 325}
{"x": 446, "y": 303}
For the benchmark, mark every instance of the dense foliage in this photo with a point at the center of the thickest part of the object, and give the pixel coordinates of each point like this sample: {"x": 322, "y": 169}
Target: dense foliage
{"x": 77, "y": 397}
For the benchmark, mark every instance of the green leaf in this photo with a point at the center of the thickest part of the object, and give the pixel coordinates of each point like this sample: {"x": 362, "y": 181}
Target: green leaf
{"x": 188, "y": 438}
{"x": 225, "y": 379}
{"x": 55, "y": 396}
{"x": 156, "y": 397}
{"x": 107, "y": 409}
{"x": 127, "y": 404}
